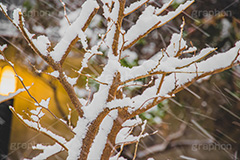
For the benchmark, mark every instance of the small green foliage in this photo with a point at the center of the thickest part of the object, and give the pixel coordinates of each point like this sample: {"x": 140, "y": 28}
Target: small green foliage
{"x": 175, "y": 4}
{"x": 154, "y": 115}
{"x": 28, "y": 5}
{"x": 93, "y": 84}
{"x": 125, "y": 63}
{"x": 141, "y": 42}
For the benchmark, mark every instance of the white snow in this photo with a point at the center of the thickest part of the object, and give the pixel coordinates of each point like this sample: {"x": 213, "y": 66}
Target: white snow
{"x": 124, "y": 136}
{"x": 42, "y": 43}
{"x": 3, "y": 47}
{"x": 226, "y": 26}
{"x": 184, "y": 75}
{"x": 73, "y": 30}
{"x": 172, "y": 14}
{"x": 37, "y": 111}
{"x": 38, "y": 127}
{"x": 110, "y": 36}
{"x": 178, "y": 73}
{"x": 30, "y": 35}
{"x": 16, "y": 16}
{"x": 175, "y": 46}
{"x": 146, "y": 21}
{"x": 55, "y": 74}
{"x": 34, "y": 118}
{"x": 45, "y": 103}
{"x": 187, "y": 158}
{"x": 11, "y": 95}
{"x": 81, "y": 92}
{"x": 1, "y": 57}
{"x": 37, "y": 114}
{"x": 74, "y": 145}
{"x": 134, "y": 6}
{"x": 164, "y": 7}
{"x": 106, "y": 11}
{"x": 101, "y": 138}
{"x": 85, "y": 60}
{"x": 72, "y": 16}
{"x": 190, "y": 50}
{"x": 47, "y": 151}
{"x": 113, "y": 16}
{"x": 3, "y": 7}
{"x": 83, "y": 39}
{"x": 132, "y": 122}
{"x": 72, "y": 81}
{"x": 130, "y": 56}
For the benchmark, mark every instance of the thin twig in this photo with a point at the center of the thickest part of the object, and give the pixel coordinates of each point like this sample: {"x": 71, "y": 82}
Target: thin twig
{"x": 30, "y": 95}
{"x": 136, "y": 145}
{"x": 90, "y": 77}
{"x": 65, "y": 12}
{"x": 38, "y": 130}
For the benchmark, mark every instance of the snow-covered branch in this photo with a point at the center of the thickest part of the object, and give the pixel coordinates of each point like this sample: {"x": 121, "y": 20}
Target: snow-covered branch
{"x": 134, "y": 6}
{"x": 106, "y": 117}
{"x": 145, "y": 24}
{"x": 35, "y": 125}
{"x": 75, "y": 31}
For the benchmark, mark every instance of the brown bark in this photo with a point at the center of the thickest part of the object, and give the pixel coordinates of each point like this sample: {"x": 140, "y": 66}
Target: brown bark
{"x": 117, "y": 126}
{"x": 91, "y": 134}
{"x": 113, "y": 89}
{"x": 118, "y": 25}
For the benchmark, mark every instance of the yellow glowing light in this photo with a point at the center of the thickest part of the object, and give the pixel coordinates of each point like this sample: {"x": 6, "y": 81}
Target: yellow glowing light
{"x": 8, "y": 82}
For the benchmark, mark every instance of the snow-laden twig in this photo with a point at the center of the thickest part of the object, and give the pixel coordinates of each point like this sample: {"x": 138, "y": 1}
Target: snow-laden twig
{"x": 11, "y": 95}
{"x": 71, "y": 36}
{"x": 43, "y": 104}
{"x": 37, "y": 127}
{"x": 134, "y": 6}
{"x": 48, "y": 151}
{"x": 108, "y": 111}
{"x": 143, "y": 26}
{"x": 186, "y": 75}
{"x": 137, "y": 31}
{"x": 164, "y": 7}
{"x": 65, "y": 12}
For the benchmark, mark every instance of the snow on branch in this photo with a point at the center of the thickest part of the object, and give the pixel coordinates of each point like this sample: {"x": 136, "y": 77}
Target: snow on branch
{"x": 75, "y": 31}
{"x": 3, "y": 8}
{"x": 178, "y": 73}
{"x": 172, "y": 14}
{"x": 146, "y": 22}
{"x": 117, "y": 157}
{"x": 164, "y": 7}
{"x": 101, "y": 138}
{"x": 114, "y": 13}
{"x": 105, "y": 120}
{"x": 42, "y": 43}
{"x": 149, "y": 20}
{"x": 11, "y": 95}
{"x": 174, "y": 82}
{"x": 134, "y": 6}
{"x": 47, "y": 58}
{"x": 3, "y": 47}
{"x": 37, "y": 127}
{"x": 47, "y": 151}
{"x": 125, "y": 137}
